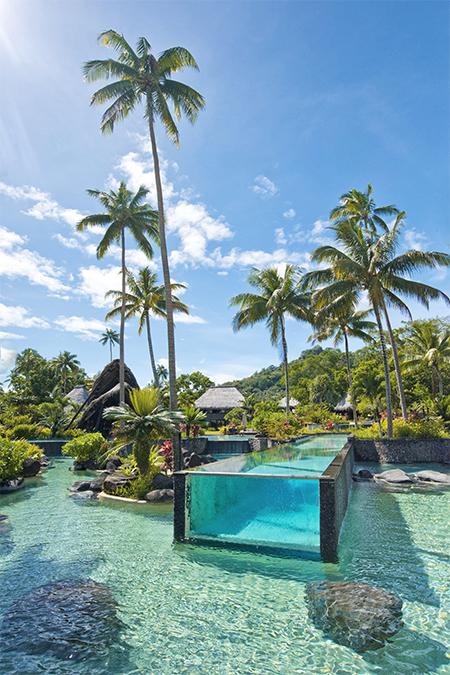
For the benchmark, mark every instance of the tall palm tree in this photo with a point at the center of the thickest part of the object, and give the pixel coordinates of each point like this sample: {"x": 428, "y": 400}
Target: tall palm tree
{"x": 140, "y": 76}
{"x": 429, "y": 346}
{"x": 356, "y": 265}
{"x": 280, "y": 295}
{"x": 64, "y": 364}
{"x": 341, "y": 325}
{"x": 109, "y": 337}
{"x": 123, "y": 211}
{"x": 146, "y": 298}
{"x": 368, "y": 384}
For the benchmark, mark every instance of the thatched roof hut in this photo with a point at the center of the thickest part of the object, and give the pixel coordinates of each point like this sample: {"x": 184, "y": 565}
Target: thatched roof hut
{"x": 217, "y": 401}
{"x": 78, "y": 395}
{"x": 344, "y": 406}
{"x": 293, "y": 403}
{"x": 104, "y": 393}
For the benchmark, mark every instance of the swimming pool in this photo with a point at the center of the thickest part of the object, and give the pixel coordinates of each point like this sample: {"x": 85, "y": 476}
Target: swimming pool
{"x": 188, "y": 609}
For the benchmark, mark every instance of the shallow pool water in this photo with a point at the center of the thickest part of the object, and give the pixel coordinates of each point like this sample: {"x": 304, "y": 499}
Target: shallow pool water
{"x": 201, "y": 610}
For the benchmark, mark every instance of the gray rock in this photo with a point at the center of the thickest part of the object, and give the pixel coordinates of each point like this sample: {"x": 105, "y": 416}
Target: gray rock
{"x": 354, "y": 614}
{"x": 3, "y": 518}
{"x": 194, "y": 460}
{"x": 88, "y": 465}
{"x": 433, "y": 477}
{"x": 11, "y": 485}
{"x": 162, "y": 482}
{"x": 69, "y": 620}
{"x": 96, "y": 485}
{"x": 113, "y": 463}
{"x": 159, "y": 496}
{"x": 394, "y": 476}
{"x": 115, "y": 481}
{"x": 80, "y": 486}
{"x": 85, "y": 494}
{"x": 362, "y": 475}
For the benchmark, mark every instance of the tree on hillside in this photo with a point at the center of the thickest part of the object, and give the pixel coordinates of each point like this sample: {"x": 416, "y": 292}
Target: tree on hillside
{"x": 279, "y": 295}
{"x": 140, "y": 76}
{"x": 124, "y": 212}
{"x": 145, "y": 298}
{"x": 109, "y": 337}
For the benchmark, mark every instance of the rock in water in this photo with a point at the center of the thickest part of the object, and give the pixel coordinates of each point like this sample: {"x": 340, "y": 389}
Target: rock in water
{"x": 394, "y": 476}
{"x": 354, "y": 614}
{"x": 158, "y": 496}
{"x": 433, "y": 477}
{"x": 31, "y": 467}
{"x": 362, "y": 475}
{"x": 115, "y": 481}
{"x": 69, "y": 620}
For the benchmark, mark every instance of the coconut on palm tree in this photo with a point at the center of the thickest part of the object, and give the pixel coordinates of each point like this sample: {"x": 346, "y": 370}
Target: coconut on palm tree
{"x": 142, "y": 422}
{"x": 141, "y": 77}
{"x": 279, "y": 295}
{"x": 124, "y": 212}
{"x": 109, "y": 337}
{"x": 145, "y": 298}
{"x": 63, "y": 365}
{"x": 428, "y": 345}
{"x": 357, "y": 266}
{"x": 341, "y": 325}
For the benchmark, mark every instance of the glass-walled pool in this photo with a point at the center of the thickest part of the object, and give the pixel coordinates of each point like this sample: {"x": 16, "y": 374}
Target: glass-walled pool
{"x": 268, "y": 498}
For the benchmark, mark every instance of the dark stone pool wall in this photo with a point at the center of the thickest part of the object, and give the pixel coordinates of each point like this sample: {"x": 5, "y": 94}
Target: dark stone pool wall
{"x": 51, "y": 447}
{"x": 402, "y": 450}
{"x": 335, "y": 485}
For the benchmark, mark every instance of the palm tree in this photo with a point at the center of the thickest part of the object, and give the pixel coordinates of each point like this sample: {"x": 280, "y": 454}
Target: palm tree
{"x": 141, "y": 422}
{"x": 143, "y": 77}
{"x": 360, "y": 209}
{"x": 428, "y": 346}
{"x": 357, "y": 266}
{"x": 193, "y": 417}
{"x": 64, "y": 364}
{"x": 123, "y": 211}
{"x": 340, "y": 326}
{"x": 146, "y": 298}
{"x": 368, "y": 384}
{"x": 111, "y": 337}
{"x": 280, "y": 295}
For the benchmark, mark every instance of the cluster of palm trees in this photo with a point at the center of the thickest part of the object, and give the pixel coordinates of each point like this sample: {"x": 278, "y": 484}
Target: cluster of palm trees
{"x": 363, "y": 264}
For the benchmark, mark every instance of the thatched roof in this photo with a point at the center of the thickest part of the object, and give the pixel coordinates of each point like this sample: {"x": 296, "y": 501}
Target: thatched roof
{"x": 220, "y": 398}
{"x": 104, "y": 393}
{"x": 293, "y": 403}
{"x": 78, "y": 394}
{"x": 344, "y": 405}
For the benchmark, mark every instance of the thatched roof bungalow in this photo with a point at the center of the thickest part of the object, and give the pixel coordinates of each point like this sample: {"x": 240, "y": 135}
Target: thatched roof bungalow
{"x": 344, "y": 406}
{"x": 217, "y": 401}
{"x": 293, "y": 403}
{"x": 78, "y": 394}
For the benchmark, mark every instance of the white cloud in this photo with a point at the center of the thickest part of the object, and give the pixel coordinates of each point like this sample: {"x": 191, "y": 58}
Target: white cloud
{"x": 44, "y": 206}
{"x": 289, "y": 214}
{"x": 222, "y": 273}
{"x": 10, "y": 336}
{"x": 255, "y": 258}
{"x": 96, "y": 281}
{"x": 19, "y": 317}
{"x": 264, "y": 187}
{"x": 7, "y": 359}
{"x": 414, "y": 239}
{"x": 280, "y": 236}
{"x": 188, "y": 318}
{"x": 16, "y": 261}
{"x": 86, "y": 329}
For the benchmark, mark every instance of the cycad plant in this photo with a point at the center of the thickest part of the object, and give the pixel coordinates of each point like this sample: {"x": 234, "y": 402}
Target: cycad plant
{"x": 429, "y": 345}
{"x": 145, "y": 298}
{"x": 358, "y": 265}
{"x": 141, "y": 422}
{"x": 124, "y": 212}
{"x": 110, "y": 337}
{"x": 141, "y": 77}
{"x": 341, "y": 325}
{"x": 279, "y": 295}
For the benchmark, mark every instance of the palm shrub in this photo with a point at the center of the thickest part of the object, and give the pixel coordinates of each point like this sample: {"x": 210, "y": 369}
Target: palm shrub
{"x": 194, "y": 419}
{"x": 141, "y": 422}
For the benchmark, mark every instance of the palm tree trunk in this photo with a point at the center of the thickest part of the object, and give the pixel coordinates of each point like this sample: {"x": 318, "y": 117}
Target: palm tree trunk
{"x": 110, "y": 351}
{"x": 177, "y": 457}
{"x": 386, "y": 368}
{"x": 122, "y": 326}
{"x": 349, "y": 379}
{"x": 151, "y": 352}
{"x": 398, "y": 373}
{"x": 285, "y": 364}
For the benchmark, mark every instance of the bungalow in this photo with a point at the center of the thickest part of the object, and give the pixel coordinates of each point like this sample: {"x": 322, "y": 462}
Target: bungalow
{"x": 217, "y": 401}
{"x": 293, "y": 403}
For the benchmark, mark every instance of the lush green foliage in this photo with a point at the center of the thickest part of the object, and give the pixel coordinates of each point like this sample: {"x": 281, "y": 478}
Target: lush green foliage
{"x": 194, "y": 420}
{"x": 412, "y": 428}
{"x": 12, "y": 456}
{"x": 191, "y": 386}
{"x": 29, "y": 432}
{"x": 86, "y": 447}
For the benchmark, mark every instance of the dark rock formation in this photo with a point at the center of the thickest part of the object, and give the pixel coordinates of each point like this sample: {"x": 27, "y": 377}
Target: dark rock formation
{"x": 113, "y": 463}
{"x": 84, "y": 494}
{"x": 115, "y": 481}
{"x": 88, "y": 465}
{"x": 354, "y": 614}
{"x": 95, "y": 485}
{"x": 31, "y": 467}
{"x": 3, "y": 518}
{"x": 156, "y": 496}
{"x": 69, "y": 620}
{"x": 104, "y": 393}
{"x": 362, "y": 475}
{"x": 162, "y": 482}
{"x": 11, "y": 485}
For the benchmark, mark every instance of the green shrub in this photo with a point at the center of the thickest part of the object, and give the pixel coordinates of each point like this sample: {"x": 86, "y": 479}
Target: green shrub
{"x": 415, "y": 428}
{"x": 276, "y": 425}
{"x": 29, "y": 431}
{"x": 9, "y": 421}
{"x": 71, "y": 433}
{"x": 86, "y": 447}
{"x": 12, "y": 456}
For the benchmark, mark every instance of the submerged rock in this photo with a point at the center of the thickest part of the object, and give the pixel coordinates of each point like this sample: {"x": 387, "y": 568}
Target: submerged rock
{"x": 354, "y": 614}
{"x": 84, "y": 494}
{"x": 362, "y": 475}
{"x": 3, "y": 518}
{"x": 433, "y": 477}
{"x": 159, "y": 496}
{"x": 11, "y": 485}
{"x": 394, "y": 476}
{"x": 70, "y": 620}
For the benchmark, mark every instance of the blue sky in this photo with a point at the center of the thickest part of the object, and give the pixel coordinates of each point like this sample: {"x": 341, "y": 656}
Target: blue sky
{"x": 304, "y": 101}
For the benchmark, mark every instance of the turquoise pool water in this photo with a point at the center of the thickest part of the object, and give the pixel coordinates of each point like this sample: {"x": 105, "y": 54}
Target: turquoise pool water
{"x": 196, "y": 610}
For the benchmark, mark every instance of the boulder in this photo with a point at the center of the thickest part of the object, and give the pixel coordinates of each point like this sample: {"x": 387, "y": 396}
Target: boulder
{"x": 31, "y": 467}
{"x": 3, "y": 518}
{"x": 433, "y": 477}
{"x": 158, "y": 496}
{"x": 194, "y": 460}
{"x": 362, "y": 475}
{"x": 113, "y": 463}
{"x": 96, "y": 485}
{"x": 11, "y": 485}
{"x": 80, "y": 486}
{"x": 84, "y": 494}
{"x": 162, "y": 482}
{"x": 116, "y": 480}
{"x": 354, "y": 614}
{"x": 88, "y": 465}
{"x": 395, "y": 476}
{"x": 72, "y": 621}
